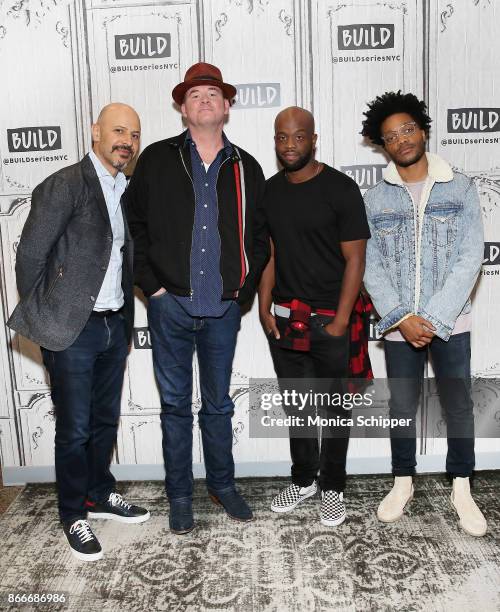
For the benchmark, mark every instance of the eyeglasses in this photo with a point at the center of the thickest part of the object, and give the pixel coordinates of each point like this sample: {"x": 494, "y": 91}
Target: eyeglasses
{"x": 407, "y": 129}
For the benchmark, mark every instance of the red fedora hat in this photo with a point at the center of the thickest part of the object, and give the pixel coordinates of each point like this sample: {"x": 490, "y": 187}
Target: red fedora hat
{"x": 202, "y": 74}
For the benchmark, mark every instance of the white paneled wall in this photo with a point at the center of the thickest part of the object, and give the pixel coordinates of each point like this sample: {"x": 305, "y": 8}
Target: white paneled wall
{"x": 60, "y": 62}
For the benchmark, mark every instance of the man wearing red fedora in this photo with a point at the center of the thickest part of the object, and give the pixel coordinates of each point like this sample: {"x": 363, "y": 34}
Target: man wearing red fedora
{"x": 194, "y": 213}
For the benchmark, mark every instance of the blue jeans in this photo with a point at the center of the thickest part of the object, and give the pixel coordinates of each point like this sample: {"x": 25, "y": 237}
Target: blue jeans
{"x": 86, "y": 385}
{"x": 405, "y": 370}
{"x": 174, "y": 336}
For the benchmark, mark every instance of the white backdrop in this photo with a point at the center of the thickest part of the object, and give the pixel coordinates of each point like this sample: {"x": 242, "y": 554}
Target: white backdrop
{"x": 61, "y": 61}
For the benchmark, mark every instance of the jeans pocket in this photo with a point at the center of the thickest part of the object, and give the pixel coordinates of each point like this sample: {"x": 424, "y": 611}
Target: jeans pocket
{"x": 321, "y": 325}
{"x": 154, "y": 298}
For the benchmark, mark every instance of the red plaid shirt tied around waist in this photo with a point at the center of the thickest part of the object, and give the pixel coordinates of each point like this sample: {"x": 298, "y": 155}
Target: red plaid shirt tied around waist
{"x": 298, "y": 336}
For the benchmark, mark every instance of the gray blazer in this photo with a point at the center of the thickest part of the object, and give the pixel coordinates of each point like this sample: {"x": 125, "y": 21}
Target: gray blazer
{"x": 63, "y": 256}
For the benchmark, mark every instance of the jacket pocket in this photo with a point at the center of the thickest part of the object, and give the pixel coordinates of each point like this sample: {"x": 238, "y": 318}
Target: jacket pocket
{"x": 53, "y": 284}
{"x": 389, "y": 231}
{"x": 443, "y": 222}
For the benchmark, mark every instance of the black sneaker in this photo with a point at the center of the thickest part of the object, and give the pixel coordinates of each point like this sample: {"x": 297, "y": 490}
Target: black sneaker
{"x": 117, "y": 509}
{"x": 83, "y": 543}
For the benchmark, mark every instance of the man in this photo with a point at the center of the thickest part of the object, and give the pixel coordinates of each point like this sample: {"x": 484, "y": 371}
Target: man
{"x": 422, "y": 263}
{"x": 192, "y": 210}
{"x": 74, "y": 277}
{"x": 318, "y": 227}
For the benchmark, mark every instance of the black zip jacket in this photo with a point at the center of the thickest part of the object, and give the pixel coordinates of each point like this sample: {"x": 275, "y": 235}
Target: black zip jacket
{"x": 160, "y": 204}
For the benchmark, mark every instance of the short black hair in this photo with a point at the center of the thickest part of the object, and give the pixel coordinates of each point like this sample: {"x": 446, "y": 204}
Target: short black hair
{"x": 389, "y": 104}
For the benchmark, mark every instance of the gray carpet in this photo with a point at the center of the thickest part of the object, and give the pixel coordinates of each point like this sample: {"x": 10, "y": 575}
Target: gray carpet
{"x": 277, "y": 563}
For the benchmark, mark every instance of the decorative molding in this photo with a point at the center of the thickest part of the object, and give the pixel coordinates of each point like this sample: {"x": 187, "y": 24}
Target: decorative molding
{"x": 109, "y": 19}
{"x": 134, "y": 406}
{"x": 15, "y": 184}
{"x": 250, "y": 4}
{"x": 398, "y": 6}
{"x": 35, "y": 436}
{"x": 489, "y": 191}
{"x": 177, "y": 16}
{"x": 63, "y": 32}
{"x": 15, "y": 205}
{"x": 287, "y": 20}
{"x": 339, "y": 7}
{"x": 35, "y": 399}
{"x": 135, "y": 426}
{"x": 33, "y": 11}
{"x": 491, "y": 371}
{"x": 445, "y": 15}
{"x": 237, "y": 430}
{"x": 219, "y": 24}
{"x": 32, "y": 380}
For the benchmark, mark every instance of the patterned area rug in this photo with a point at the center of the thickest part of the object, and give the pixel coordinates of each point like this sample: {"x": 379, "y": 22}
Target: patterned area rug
{"x": 277, "y": 563}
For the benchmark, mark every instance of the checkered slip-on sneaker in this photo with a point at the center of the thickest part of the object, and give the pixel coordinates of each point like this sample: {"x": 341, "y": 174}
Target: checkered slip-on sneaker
{"x": 332, "y": 508}
{"x": 291, "y": 497}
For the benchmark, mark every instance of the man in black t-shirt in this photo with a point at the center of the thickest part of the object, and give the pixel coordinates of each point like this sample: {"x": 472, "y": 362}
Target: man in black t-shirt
{"x": 318, "y": 227}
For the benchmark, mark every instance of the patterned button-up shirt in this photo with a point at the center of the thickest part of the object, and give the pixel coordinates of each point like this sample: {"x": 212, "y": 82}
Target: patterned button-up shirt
{"x": 206, "y": 280}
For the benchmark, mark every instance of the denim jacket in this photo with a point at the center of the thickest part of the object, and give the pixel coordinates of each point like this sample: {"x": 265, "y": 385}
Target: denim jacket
{"x": 423, "y": 260}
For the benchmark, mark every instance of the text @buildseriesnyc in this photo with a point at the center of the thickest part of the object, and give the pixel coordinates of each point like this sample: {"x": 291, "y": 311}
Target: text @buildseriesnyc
{"x": 378, "y": 408}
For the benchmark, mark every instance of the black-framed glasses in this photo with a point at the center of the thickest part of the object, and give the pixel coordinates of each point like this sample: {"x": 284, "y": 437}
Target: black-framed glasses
{"x": 407, "y": 129}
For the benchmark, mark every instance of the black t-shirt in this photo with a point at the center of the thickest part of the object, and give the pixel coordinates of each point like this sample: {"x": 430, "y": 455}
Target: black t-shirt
{"x": 307, "y": 222}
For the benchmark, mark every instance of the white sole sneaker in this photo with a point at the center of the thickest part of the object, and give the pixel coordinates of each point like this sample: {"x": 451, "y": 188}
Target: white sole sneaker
{"x": 332, "y": 503}
{"x": 289, "y": 508}
{"x": 83, "y": 557}
{"x": 335, "y": 523}
{"x": 117, "y": 517}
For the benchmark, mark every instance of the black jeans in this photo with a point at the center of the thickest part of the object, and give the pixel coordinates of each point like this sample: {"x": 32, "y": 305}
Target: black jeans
{"x": 86, "y": 384}
{"x": 405, "y": 370}
{"x": 328, "y": 358}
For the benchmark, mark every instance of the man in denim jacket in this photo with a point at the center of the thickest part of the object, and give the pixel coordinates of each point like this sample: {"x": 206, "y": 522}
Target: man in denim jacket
{"x": 422, "y": 263}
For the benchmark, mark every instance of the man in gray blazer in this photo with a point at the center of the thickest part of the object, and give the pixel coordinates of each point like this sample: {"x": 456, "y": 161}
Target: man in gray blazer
{"x": 74, "y": 277}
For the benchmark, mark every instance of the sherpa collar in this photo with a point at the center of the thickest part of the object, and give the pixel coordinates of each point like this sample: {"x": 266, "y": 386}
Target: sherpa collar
{"x": 439, "y": 171}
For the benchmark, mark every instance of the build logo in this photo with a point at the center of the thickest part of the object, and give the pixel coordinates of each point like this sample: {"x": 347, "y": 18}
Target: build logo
{"x": 24, "y": 139}
{"x": 465, "y": 120}
{"x": 141, "y": 338}
{"x": 142, "y": 46}
{"x": 362, "y": 36}
{"x": 491, "y": 258}
{"x": 257, "y": 95}
{"x": 365, "y": 175}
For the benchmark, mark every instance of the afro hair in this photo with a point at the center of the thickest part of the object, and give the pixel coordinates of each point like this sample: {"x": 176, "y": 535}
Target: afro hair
{"x": 389, "y": 104}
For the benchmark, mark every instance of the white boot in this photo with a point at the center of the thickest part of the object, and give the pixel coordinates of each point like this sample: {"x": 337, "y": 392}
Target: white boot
{"x": 392, "y": 506}
{"x": 471, "y": 518}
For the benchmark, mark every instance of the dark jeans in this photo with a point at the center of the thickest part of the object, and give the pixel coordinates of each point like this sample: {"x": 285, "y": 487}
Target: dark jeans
{"x": 451, "y": 361}
{"x": 174, "y": 336}
{"x": 86, "y": 384}
{"x": 328, "y": 358}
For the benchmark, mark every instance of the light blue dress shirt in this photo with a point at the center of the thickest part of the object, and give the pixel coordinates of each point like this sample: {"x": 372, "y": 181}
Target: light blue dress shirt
{"x": 110, "y": 296}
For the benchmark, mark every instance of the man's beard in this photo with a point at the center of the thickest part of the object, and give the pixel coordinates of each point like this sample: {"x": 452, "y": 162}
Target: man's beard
{"x": 302, "y": 161}
{"x": 406, "y": 163}
{"x": 121, "y": 165}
